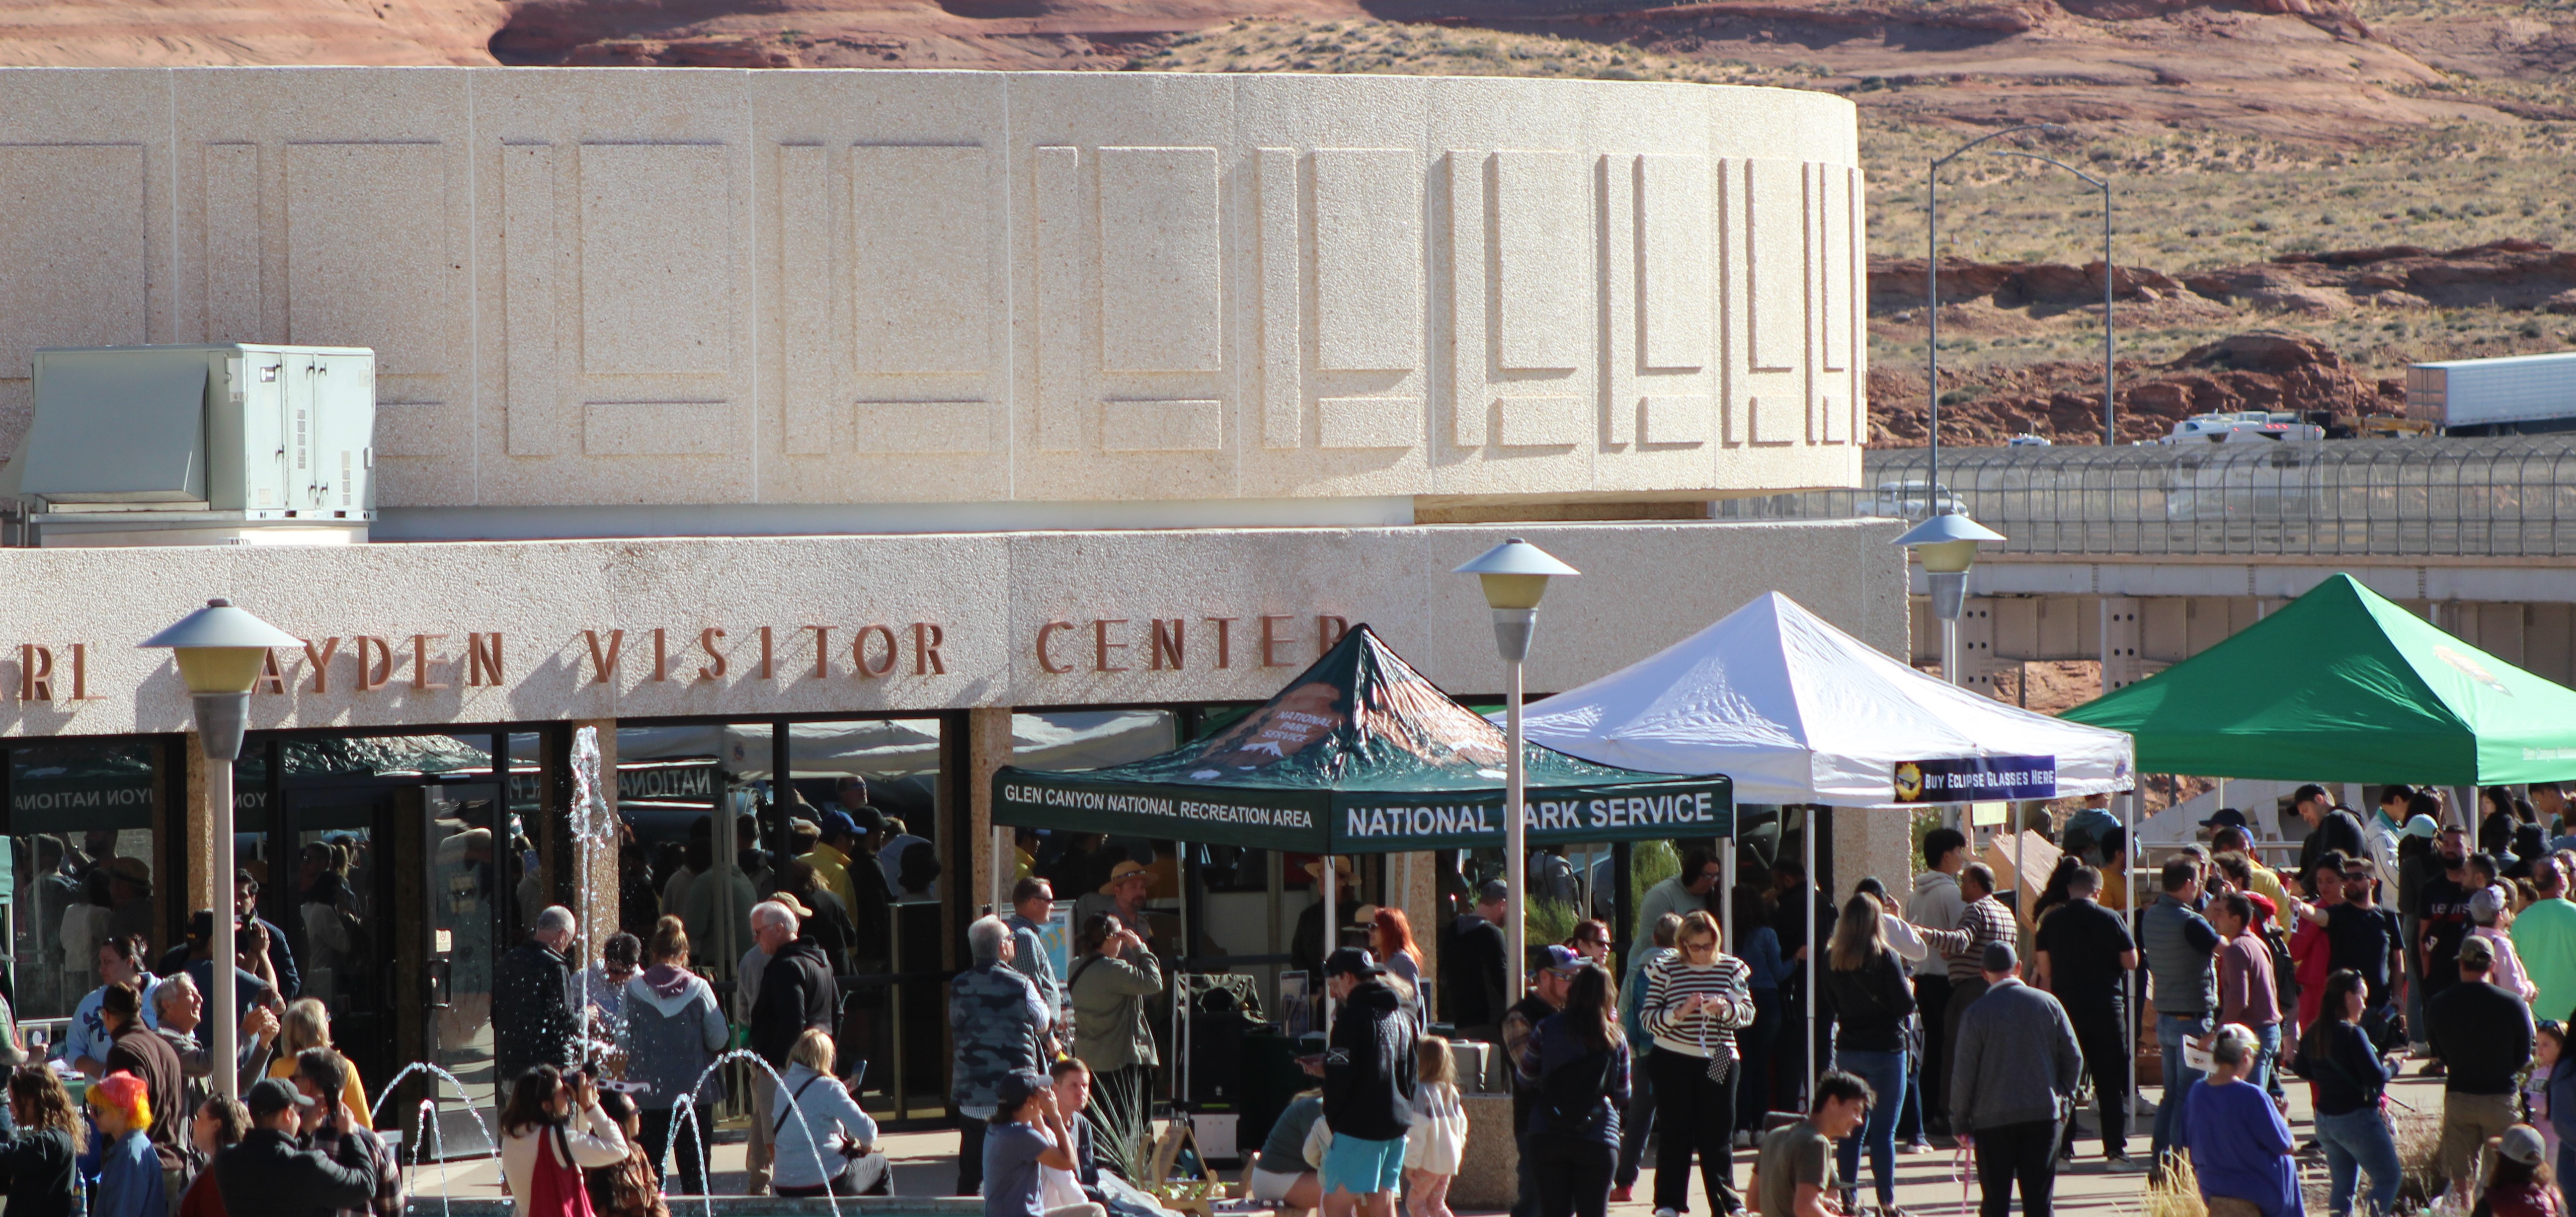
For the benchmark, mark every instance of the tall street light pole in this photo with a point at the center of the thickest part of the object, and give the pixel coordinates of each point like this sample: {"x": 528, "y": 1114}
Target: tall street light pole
{"x": 220, "y": 650}
{"x": 1515, "y": 575}
{"x": 1947, "y": 545}
{"x": 2110, "y": 428}
{"x": 1932, "y": 296}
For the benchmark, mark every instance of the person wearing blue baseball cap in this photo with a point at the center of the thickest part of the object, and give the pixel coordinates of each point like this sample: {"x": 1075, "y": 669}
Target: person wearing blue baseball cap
{"x": 1551, "y": 970}
{"x": 841, "y": 841}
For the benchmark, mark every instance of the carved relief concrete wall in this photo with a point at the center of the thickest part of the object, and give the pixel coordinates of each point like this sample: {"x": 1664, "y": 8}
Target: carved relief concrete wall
{"x": 693, "y": 286}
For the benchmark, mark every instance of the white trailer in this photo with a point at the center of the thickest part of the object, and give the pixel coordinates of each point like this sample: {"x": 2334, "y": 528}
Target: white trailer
{"x": 2510, "y": 395}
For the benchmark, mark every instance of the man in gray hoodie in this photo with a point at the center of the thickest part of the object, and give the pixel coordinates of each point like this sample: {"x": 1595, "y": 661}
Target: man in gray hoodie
{"x": 2011, "y": 1084}
{"x": 1936, "y": 904}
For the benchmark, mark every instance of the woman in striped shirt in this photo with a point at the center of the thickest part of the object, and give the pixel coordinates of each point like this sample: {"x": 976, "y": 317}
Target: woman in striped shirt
{"x": 1696, "y": 1000}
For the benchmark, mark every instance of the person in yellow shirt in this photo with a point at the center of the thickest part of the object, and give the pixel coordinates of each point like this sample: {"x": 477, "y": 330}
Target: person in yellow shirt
{"x": 831, "y": 857}
{"x": 2260, "y": 879}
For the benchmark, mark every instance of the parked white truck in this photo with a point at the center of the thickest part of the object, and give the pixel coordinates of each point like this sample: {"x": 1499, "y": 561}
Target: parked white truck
{"x": 2511, "y": 395}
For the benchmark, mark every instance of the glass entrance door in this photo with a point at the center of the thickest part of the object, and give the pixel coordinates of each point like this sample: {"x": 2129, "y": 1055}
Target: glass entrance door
{"x": 337, "y": 898}
{"x": 463, "y": 885}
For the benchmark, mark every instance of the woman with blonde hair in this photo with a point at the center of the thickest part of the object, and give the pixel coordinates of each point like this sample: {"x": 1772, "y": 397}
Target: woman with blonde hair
{"x": 1695, "y": 1002}
{"x": 1871, "y": 999}
{"x": 1437, "y": 1144}
{"x": 307, "y": 1024}
{"x": 833, "y": 1149}
{"x": 674, "y": 1029}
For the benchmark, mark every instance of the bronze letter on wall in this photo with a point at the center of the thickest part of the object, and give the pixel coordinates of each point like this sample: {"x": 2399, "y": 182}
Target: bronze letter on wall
{"x": 604, "y": 663}
{"x": 926, "y": 638}
{"x": 859, "y": 652}
{"x": 1046, "y": 662}
{"x": 1167, "y": 646}
{"x": 420, "y": 661}
{"x": 321, "y": 661}
{"x": 1270, "y": 639}
{"x": 1101, "y": 646}
{"x": 35, "y": 672}
{"x": 483, "y": 658}
{"x": 1329, "y": 630}
{"x": 1224, "y": 640}
{"x": 714, "y": 670}
{"x": 375, "y": 670}
{"x": 272, "y": 679}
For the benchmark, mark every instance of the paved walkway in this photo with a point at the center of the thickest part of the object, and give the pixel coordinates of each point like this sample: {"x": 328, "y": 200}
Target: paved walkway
{"x": 1927, "y": 1184}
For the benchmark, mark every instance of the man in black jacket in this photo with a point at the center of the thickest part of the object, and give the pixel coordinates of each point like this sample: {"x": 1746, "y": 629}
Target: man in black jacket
{"x": 1471, "y": 987}
{"x": 796, "y": 988}
{"x": 268, "y": 1173}
{"x": 532, "y": 1010}
{"x": 1368, "y": 1088}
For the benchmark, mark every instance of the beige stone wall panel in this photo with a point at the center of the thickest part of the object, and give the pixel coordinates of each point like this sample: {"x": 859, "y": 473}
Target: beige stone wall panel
{"x": 857, "y": 287}
{"x": 637, "y": 279}
{"x": 331, "y": 206}
{"x": 560, "y": 604}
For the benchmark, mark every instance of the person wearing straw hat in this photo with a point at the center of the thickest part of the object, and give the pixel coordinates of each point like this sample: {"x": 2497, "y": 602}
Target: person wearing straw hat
{"x": 1122, "y": 895}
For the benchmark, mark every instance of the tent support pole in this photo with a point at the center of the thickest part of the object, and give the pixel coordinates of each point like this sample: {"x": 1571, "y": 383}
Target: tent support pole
{"x": 1515, "y": 847}
{"x": 1332, "y": 937}
{"x": 1726, "y": 897}
{"x": 1807, "y": 846}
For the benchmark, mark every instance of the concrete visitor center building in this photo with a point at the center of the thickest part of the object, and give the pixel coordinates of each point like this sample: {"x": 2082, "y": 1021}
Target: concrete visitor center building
{"x": 877, "y": 426}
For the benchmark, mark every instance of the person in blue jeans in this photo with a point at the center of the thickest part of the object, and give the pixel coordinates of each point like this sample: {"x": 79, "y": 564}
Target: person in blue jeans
{"x": 2178, "y": 943}
{"x": 1871, "y": 1002}
{"x": 2349, "y": 1077}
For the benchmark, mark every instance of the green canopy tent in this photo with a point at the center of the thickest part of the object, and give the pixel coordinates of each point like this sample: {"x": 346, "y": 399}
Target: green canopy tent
{"x": 1360, "y": 754}
{"x": 2343, "y": 682}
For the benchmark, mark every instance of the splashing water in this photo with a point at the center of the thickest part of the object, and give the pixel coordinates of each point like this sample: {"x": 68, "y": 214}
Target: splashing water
{"x": 699, "y": 1087}
{"x": 428, "y": 1129}
{"x": 431, "y": 1131}
{"x": 462, "y": 1096}
{"x": 592, "y": 820}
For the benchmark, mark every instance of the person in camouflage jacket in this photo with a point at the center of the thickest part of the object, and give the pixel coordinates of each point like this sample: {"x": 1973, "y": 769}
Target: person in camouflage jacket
{"x": 1000, "y": 1020}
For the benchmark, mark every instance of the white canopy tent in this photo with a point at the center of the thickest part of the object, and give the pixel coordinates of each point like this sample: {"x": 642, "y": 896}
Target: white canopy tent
{"x": 1797, "y": 711}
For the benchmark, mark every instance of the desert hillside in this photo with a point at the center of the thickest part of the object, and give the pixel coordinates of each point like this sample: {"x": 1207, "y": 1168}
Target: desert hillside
{"x": 2344, "y": 185}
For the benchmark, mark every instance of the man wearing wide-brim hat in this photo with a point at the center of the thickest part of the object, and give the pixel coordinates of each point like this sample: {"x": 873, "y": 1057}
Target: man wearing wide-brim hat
{"x": 1123, "y": 896}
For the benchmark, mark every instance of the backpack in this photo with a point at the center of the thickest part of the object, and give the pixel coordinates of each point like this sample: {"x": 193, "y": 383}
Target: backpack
{"x": 630, "y": 1189}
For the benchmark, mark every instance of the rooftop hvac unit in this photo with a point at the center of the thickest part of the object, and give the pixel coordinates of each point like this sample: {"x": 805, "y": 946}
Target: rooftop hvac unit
{"x": 197, "y": 445}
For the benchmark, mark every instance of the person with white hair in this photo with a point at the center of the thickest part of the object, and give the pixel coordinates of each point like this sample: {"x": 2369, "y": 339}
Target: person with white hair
{"x": 2240, "y": 1146}
{"x": 534, "y": 1021}
{"x": 1000, "y": 1022}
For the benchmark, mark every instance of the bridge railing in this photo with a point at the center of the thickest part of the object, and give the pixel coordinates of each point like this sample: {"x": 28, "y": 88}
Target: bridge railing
{"x": 2509, "y": 496}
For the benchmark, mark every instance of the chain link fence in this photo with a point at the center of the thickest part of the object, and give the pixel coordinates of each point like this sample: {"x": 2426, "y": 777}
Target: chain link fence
{"x": 2506, "y": 497}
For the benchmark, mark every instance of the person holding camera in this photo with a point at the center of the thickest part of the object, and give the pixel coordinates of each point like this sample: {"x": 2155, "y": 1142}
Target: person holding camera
{"x": 1118, "y": 972}
{"x": 552, "y": 1130}
{"x": 269, "y": 1171}
{"x": 825, "y": 1144}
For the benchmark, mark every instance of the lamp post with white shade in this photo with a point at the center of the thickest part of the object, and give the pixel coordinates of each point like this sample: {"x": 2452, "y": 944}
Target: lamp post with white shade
{"x": 1947, "y": 546}
{"x": 220, "y": 650}
{"x": 1515, "y": 575}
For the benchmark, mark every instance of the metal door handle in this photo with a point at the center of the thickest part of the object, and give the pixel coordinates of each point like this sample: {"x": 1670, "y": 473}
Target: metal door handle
{"x": 442, "y": 977}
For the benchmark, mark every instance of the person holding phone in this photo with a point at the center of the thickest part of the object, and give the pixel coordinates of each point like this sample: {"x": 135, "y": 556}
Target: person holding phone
{"x": 1027, "y": 1133}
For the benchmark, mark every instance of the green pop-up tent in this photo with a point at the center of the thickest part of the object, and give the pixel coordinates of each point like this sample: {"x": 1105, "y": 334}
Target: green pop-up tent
{"x": 2344, "y": 683}
{"x": 1360, "y": 754}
